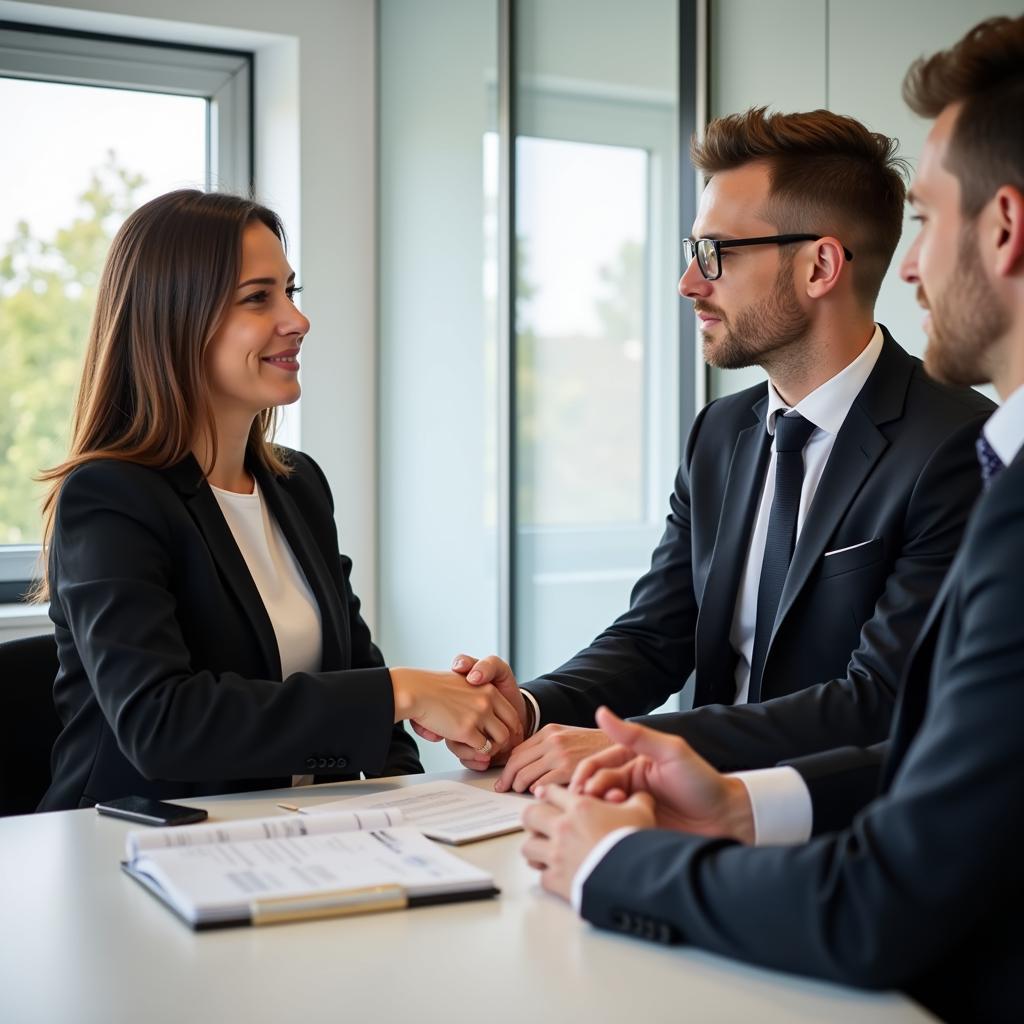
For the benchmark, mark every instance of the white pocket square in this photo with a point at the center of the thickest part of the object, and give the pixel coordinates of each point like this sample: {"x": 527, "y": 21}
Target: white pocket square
{"x": 852, "y": 547}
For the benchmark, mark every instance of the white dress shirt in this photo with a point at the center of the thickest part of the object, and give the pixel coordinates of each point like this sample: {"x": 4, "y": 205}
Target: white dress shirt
{"x": 1004, "y": 429}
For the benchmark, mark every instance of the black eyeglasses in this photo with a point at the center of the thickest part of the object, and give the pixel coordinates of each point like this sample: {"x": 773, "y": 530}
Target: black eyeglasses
{"x": 708, "y": 251}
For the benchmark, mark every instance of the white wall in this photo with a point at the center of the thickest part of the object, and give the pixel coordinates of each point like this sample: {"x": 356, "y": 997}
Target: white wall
{"x": 315, "y": 164}
{"x": 624, "y": 49}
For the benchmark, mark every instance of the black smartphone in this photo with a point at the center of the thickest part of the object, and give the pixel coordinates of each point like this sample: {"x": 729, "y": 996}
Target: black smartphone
{"x": 151, "y": 812}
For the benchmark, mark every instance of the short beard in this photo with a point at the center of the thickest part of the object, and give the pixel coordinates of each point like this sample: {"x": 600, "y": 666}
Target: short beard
{"x": 967, "y": 320}
{"x": 761, "y": 329}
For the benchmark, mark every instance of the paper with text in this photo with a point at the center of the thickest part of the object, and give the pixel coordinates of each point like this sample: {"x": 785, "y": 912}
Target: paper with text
{"x": 451, "y": 812}
{"x": 279, "y": 826}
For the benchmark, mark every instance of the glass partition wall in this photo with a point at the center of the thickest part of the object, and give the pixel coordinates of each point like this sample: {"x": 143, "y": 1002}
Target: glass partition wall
{"x": 532, "y": 391}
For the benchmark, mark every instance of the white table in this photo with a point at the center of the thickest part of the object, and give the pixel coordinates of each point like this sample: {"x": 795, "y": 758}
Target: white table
{"x": 81, "y": 942}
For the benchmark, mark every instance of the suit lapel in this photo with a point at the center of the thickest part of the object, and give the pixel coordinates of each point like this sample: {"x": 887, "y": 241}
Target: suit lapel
{"x": 333, "y": 622}
{"x": 199, "y": 499}
{"x": 741, "y": 498}
{"x": 858, "y": 447}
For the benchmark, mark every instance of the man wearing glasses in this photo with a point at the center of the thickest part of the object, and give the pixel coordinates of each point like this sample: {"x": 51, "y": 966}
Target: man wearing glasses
{"x": 813, "y": 517}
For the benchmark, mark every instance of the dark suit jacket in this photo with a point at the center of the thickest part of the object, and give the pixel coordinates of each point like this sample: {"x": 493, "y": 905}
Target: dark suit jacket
{"x": 922, "y": 890}
{"x": 897, "y": 489}
{"x": 169, "y": 684}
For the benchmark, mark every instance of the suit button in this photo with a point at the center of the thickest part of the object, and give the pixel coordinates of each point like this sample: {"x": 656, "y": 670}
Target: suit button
{"x": 322, "y": 762}
{"x": 620, "y": 919}
{"x": 311, "y": 762}
{"x": 342, "y": 762}
{"x": 331, "y": 762}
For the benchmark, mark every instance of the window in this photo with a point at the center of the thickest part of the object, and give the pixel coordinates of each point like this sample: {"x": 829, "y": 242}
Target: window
{"x": 102, "y": 125}
{"x": 596, "y": 353}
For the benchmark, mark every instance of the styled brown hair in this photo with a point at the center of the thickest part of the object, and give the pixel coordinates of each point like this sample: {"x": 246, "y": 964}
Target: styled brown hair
{"x": 985, "y": 72}
{"x": 169, "y": 276}
{"x": 829, "y": 175}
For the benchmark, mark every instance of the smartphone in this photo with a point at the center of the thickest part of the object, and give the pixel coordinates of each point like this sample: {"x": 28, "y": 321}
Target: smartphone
{"x": 151, "y": 812}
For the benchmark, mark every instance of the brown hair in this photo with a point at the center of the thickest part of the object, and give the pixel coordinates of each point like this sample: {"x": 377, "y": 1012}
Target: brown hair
{"x": 829, "y": 175}
{"x": 985, "y": 72}
{"x": 166, "y": 284}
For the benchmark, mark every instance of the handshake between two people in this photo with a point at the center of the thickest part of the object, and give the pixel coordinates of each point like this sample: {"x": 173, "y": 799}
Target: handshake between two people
{"x": 550, "y": 755}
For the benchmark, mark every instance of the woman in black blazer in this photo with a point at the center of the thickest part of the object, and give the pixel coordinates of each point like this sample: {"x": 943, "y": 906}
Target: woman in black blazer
{"x": 209, "y": 638}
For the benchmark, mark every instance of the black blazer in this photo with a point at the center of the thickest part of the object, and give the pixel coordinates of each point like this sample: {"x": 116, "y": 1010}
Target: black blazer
{"x": 896, "y": 491}
{"x": 922, "y": 890}
{"x": 169, "y": 682}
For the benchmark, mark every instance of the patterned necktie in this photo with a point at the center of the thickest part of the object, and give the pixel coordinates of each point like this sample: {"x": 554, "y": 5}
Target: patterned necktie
{"x": 791, "y": 434}
{"x": 991, "y": 464}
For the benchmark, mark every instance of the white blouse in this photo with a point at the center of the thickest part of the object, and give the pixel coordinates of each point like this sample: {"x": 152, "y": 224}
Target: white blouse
{"x": 279, "y": 578}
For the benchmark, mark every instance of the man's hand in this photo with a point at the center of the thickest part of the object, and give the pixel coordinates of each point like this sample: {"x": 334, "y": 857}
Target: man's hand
{"x": 497, "y": 673}
{"x": 563, "y": 827}
{"x": 690, "y": 795}
{"x": 550, "y": 756}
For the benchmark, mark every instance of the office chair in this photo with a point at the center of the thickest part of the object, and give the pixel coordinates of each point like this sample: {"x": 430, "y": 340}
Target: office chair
{"x": 28, "y": 721}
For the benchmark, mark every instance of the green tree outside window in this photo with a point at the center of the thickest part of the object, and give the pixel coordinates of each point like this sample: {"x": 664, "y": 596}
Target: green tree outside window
{"x": 47, "y": 293}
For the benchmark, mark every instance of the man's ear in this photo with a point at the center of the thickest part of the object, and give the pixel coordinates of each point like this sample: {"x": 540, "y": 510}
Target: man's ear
{"x": 1007, "y": 227}
{"x": 828, "y": 264}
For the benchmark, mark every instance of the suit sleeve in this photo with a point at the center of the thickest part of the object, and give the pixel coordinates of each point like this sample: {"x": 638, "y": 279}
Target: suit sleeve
{"x": 918, "y": 873}
{"x": 113, "y": 563}
{"x": 855, "y": 710}
{"x": 403, "y": 756}
{"x": 647, "y": 654}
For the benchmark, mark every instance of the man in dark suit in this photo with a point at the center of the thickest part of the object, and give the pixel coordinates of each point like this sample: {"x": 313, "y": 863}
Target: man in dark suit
{"x": 797, "y": 226}
{"x": 917, "y": 886}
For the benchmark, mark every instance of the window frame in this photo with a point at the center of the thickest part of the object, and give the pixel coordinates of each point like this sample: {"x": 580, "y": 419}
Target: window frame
{"x": 223, "y": 77}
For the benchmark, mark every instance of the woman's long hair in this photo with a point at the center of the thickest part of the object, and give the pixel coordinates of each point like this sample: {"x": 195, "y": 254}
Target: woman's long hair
{"x": 170, "y": 274}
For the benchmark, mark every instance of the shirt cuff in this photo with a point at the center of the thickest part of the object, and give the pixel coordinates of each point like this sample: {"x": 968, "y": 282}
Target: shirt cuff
{"x": 781, "y": 802}
{"x": 592, "y": 859}
{"x": 536, "y": 710}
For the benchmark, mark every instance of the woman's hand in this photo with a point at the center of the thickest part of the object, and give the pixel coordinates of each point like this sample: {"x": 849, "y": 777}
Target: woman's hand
{"x": 497, "y": 672}
{"x": 444, "y": 704}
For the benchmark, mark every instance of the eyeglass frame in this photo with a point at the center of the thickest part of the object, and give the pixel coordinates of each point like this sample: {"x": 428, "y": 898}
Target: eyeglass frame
{"x": 724, "y": 243}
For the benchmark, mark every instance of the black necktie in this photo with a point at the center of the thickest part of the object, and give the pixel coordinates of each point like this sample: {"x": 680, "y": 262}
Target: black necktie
{"x": 791, "y": 434}
{"x": 991, "y": 464}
